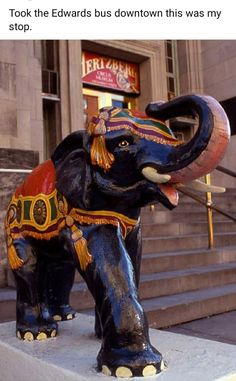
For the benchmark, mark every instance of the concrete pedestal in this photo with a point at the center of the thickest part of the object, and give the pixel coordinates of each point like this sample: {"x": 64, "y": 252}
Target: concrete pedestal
{"x": 71, "y": 356}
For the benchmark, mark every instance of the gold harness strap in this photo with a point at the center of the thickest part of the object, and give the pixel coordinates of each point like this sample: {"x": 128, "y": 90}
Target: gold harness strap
{"x": 44, "y": 216}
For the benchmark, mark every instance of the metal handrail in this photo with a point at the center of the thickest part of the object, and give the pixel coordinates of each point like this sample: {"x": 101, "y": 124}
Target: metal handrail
{"x": 226, "y": 171}
{"x": 203, "y": 202}
{"x": 15, "y": 170}
{"x": 209, "y": 204}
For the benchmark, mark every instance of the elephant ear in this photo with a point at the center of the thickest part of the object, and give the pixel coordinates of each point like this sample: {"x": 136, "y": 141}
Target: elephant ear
{"x": 73, "y": 173}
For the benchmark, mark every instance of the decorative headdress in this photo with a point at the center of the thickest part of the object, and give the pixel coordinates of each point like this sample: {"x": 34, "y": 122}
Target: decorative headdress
{"x": 114, "y": 119}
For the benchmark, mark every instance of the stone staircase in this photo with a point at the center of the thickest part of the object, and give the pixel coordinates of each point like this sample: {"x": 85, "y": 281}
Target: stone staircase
{"x": 181, "y": 279}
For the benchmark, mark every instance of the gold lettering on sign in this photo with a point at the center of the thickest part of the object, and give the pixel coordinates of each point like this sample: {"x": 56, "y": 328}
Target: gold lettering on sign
{"x": 89, "y": 66}
{"x": 108, "y": 64}
{"x": 96, "y": 64}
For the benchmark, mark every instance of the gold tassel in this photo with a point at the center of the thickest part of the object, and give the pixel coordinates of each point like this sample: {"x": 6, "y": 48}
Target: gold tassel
{"x": 99, "y": 153}
{"x": 14, "y": 261}
{"x": 80, "y": 245}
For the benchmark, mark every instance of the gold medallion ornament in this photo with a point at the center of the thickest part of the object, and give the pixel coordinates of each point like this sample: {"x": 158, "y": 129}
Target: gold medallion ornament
{"x": 40, "y": 212}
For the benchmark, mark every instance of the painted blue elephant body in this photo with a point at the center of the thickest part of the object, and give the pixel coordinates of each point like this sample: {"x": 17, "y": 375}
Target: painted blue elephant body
{"x": 81, "y": 208}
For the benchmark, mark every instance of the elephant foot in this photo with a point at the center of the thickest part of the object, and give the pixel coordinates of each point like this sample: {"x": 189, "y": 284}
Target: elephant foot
{"x": 62, "y": 313}
{"x": 38, "y": 332}
{"x": 126, "y": 363}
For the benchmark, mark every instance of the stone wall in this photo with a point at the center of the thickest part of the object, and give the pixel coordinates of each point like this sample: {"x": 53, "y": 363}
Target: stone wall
{"x": 21, "y": 113}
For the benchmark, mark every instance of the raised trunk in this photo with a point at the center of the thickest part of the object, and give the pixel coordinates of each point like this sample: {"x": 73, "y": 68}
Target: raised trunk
{"x": 203, "y": 152}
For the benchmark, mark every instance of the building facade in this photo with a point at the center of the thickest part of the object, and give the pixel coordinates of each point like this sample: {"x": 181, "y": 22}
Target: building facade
{"x": 49, "y": 89}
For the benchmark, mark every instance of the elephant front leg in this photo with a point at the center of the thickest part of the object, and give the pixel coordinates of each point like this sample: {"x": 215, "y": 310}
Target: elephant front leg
{"x": 126, "y": 350}
{"x": 33, "y": 321}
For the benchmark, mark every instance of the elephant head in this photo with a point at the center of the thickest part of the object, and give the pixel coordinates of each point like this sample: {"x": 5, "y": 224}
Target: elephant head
{"x": 133, "y": 159}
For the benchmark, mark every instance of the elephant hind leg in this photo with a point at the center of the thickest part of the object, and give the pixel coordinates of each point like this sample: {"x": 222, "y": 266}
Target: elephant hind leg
{"x": 97, "y": 325}
{"x": 32, "y": 319}
{"x": 60, "y": 278}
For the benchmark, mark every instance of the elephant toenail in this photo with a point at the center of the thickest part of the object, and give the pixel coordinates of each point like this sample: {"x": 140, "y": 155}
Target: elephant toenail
{"x": 41, "y": 336}
{"x": 123, "y": 371}
{"x": 162, "y": 367}
{"x": 106, "y": 370}
{"x": 149, "y": 370}
{"x": 69, "y": 317}
{"x": 28, "y": 336}
{"x": 18, "y": 334}
{"x": 53, "y": 333}
{"x": 57, "y": 317}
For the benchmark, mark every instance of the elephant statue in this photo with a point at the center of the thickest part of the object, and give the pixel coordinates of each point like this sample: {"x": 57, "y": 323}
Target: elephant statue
{"x": 81, "y": 209}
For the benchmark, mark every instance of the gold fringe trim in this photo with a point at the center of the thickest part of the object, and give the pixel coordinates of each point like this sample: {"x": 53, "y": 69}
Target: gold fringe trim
{"x": 100, "y": 221}
{"x": 28, "y": 233}
{"x": 14, "y": 261}
{"x": 81, "y": 248}
{"x": 99, "y": 153}
{"x": 104, "y": 218}
{"x": 95, "y": 215}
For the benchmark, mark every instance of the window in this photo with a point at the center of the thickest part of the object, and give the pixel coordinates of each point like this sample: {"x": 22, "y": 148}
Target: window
{"x": 51, "y": 96}
{"x": 50, "y": 69}
{"x": 171, "y": 68}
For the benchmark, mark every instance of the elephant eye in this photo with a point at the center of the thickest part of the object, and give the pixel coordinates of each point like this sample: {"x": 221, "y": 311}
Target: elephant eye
{"x": 124, "y": 143}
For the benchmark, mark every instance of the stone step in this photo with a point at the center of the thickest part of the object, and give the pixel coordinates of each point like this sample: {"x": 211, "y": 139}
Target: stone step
{"x": 227, "y": 206}
{"x": 175, "y": 228}
{"x": 7, "y": 304}
{"x": 221, "y": 198}
{"x": 184, "y": 259}
{"x": 180, "y": 215}
{"x": 175, "y": 309}
{"x": 184, "y": 242}
{"x": 151, "y": 285}
{"x": 183, "y": 280}
{"x": 222, "y": 201}
{"x": 167, "y": 297}
{"x": 161, "y": 262}
{"x": 225, "y": 201}
{"x": 229, "y": 194}
{"x": 168, "y": 282}
{"x": 80, "y": 299}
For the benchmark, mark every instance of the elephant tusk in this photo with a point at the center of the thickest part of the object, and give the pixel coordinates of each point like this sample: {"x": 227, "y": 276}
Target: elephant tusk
{"x": 202, "y": 187}
{"x": 151, "y": 174}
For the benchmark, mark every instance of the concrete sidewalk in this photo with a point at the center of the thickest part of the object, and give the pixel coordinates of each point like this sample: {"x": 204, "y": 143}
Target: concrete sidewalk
{"x": 220, "y": 328}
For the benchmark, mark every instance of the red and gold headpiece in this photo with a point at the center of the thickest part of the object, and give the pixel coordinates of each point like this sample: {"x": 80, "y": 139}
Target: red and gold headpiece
{"x": 113, "y": 119}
